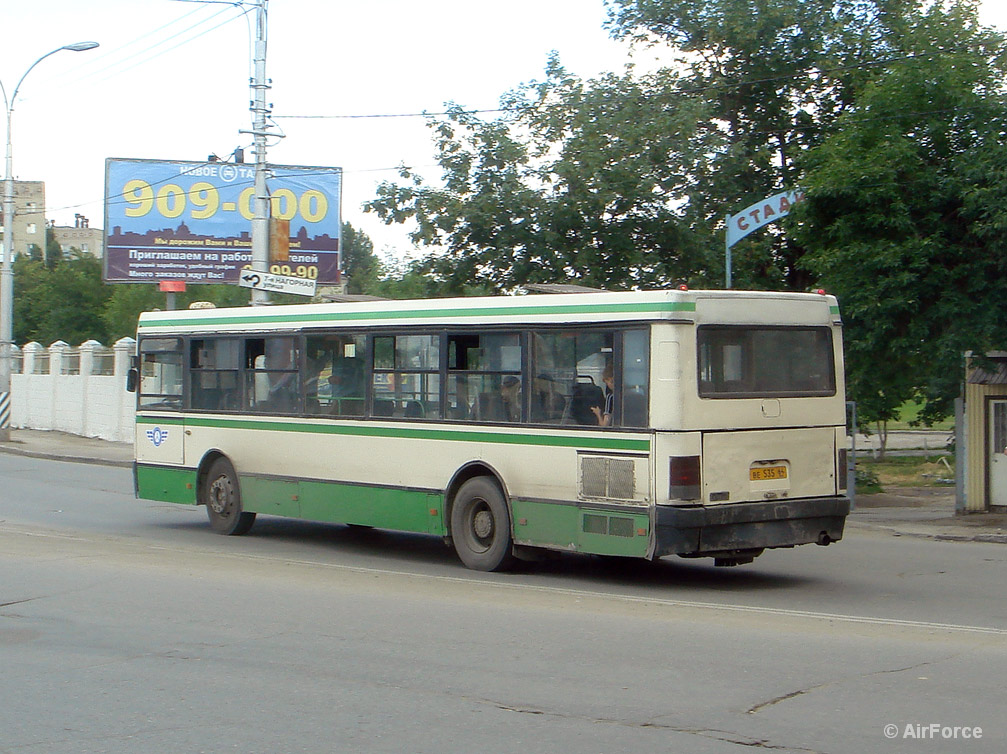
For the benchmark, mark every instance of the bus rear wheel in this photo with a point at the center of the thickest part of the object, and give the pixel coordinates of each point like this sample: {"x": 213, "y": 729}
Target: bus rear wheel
{"x": 223, "y": 500}
{"x": 480, "y": 526}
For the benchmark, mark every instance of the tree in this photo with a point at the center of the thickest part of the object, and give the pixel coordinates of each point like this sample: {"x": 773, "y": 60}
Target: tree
{"x": 547, "y": 192}
{"x": 360, "y": 265}
{"x": 126, "y": 301}
{"x": 906, "y": 211}
{"x": 53, "y": 251}
{"x": 623, "y": 181}
{"x": 63, "y": 302}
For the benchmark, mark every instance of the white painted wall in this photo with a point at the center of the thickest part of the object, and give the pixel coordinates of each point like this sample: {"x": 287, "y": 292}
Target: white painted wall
{"x": 91, "y": 405}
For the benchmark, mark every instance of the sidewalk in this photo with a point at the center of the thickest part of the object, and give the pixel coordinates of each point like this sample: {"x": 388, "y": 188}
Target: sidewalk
{"x": 927, "y": 512}
{"x": 61, "y": 446}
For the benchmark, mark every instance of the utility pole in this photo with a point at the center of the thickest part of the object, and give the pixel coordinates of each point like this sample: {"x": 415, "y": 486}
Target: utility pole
{"x": 6, "y": 269}
{"x": 260, "y": 217}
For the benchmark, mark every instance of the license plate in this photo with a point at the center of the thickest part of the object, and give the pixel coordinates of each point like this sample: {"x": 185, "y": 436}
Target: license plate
{"x": 767, "y": 473}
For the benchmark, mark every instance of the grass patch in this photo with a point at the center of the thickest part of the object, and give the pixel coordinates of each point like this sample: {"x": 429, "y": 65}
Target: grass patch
{"x": 905, "y": 471}
{"x": 909, "y": 412}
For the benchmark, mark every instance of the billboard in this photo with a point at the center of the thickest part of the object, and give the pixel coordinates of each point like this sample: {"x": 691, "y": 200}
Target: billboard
{"x": 192, "y": 221}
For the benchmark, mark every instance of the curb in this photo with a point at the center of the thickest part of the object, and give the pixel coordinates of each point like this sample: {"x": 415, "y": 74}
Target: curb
{"x": 934, "y": 536}
{"x": 66, "y": 458}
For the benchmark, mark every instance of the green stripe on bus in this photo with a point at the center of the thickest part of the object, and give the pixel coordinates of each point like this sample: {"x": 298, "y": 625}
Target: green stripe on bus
{"x": 337, "y": 316}
{"x": 599, "y": 442}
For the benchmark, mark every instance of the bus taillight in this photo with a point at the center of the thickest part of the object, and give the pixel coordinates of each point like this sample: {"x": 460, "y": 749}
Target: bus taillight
{"x": 684, "y": 483}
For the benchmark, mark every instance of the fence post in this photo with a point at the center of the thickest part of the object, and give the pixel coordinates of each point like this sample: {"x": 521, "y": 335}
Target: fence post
{"x": 87, "y": 410}
{"x": 87, "y": 349}
{"x": 57, "y": 353}
{"x": 123, "y": 349}
{"x": 29, "y": 352}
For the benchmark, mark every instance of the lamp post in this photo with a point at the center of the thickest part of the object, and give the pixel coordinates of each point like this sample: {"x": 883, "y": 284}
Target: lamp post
{"x": 6, "y": 273}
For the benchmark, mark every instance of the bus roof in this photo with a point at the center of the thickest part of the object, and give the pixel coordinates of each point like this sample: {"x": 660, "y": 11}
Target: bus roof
{"x": 723, "y": 306}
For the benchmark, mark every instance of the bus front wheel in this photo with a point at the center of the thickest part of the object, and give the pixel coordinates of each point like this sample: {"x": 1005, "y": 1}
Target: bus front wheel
{"x": 480, "y": 526}
{"x": 223, "y": 500}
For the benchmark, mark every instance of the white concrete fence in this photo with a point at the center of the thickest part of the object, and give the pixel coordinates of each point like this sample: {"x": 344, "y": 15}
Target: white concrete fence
{"x": 77, "y": 390}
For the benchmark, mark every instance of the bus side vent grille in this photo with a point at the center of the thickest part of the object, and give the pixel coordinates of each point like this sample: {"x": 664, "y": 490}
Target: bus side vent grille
{"x": 616, "y": 526}
{"x": 595, "y": 524}
{"x": 594, "y": 476}
{"x": 608, "y": 478}
{"x": 620, "y": 527}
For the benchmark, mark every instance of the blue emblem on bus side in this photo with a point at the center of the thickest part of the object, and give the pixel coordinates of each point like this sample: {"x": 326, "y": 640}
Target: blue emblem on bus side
{"x": 157, "y": 436}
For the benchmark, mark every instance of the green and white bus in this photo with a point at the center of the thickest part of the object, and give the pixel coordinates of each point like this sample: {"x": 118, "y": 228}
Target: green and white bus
{"x": 645, "y": 424}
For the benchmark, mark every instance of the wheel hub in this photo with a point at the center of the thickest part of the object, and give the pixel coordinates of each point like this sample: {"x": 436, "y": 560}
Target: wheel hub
{"x": 220, "y": 496}
{"x": 482, "y": 524}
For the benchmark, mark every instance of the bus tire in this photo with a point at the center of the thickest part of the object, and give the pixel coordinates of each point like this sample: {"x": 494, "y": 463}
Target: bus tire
{"x": 223, "y": 500}
{"x": 480, "y": 526}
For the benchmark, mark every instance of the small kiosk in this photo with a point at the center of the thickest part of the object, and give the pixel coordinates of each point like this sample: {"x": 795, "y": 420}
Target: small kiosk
{"x": 985, "y": 434}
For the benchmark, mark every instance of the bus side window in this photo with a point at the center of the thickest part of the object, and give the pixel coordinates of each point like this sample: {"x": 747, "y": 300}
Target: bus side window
{"x": 213, "y": 364}
{"x": 484, "y": 377}
{"x": 405, "y": 381}
{"x": 272, "y": 382}
{"x": 635, "y": 378}
{"x": 569, "y": 368}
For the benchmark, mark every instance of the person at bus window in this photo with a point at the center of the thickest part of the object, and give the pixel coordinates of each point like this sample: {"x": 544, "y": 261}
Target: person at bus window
{"x": 312, "y": 371}
{"x": 504, "y": 405}
{"x": 314, "y": 363}
{"x": 346, "y": 382}
{"x": 548, "y": 404}
{"x": 604, "y": 414}
{"x": 510, "y": 398}
{"x": 278, "y": 367}
{"x": 282, "y": 391}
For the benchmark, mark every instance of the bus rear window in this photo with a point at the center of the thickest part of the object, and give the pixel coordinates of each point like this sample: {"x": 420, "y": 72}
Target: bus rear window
{"x": 765, "y": 362}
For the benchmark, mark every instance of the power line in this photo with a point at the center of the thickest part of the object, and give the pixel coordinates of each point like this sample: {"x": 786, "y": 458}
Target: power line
{"x": 121, "y": 59}
{"x": 546, "y": 106}
{"x": 406, "y": 115}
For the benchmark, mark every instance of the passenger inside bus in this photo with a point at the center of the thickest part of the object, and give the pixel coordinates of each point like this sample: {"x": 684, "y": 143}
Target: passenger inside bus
{"x": 547, "y": 403}
{"x": 586, "y": 401}
{"x": 605, "y": 413}
{"x": 347, "y": 386}
{"x": 504, "y": 405}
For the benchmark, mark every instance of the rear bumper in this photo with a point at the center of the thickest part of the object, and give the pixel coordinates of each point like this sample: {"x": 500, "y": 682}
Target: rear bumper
{"x": 749, "y": 526}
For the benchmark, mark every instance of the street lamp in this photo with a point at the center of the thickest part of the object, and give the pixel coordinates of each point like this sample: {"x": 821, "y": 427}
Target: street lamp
{"x": 6, "y": 273}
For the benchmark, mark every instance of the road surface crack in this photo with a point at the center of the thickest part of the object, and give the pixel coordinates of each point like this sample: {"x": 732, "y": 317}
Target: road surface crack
{"x": 800, "y": 692}
{"x": 713, "y": 734}
{"x": 19, "y": 602}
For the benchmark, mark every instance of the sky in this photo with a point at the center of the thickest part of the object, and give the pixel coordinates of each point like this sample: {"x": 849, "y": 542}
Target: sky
{"x": 170, "y": 82}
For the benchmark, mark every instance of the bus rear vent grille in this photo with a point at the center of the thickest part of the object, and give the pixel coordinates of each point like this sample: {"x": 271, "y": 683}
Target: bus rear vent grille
{"x": 607, "y": 478}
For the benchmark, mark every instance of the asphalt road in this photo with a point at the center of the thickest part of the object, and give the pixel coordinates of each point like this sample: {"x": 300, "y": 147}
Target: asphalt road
{"x": 127, "y": 626}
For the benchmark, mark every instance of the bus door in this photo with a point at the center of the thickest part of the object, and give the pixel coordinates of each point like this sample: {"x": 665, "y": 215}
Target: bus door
{"x": 159, "y": 427}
